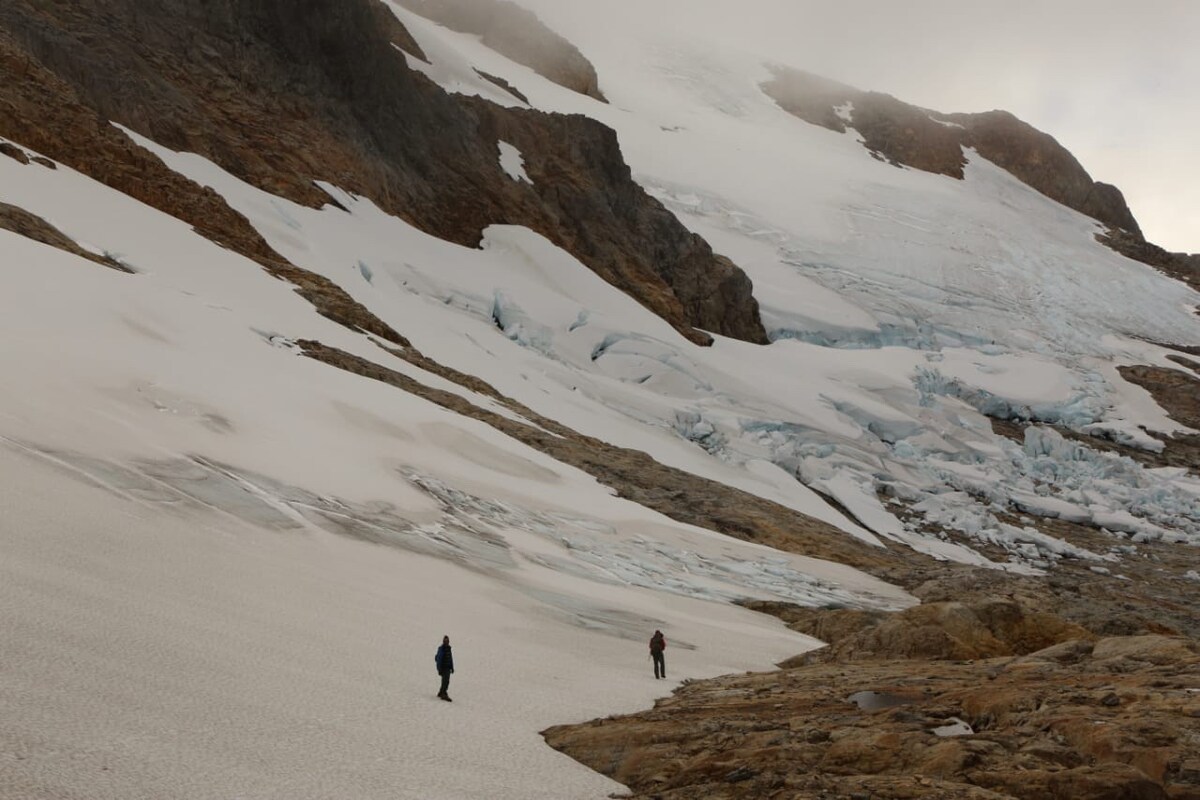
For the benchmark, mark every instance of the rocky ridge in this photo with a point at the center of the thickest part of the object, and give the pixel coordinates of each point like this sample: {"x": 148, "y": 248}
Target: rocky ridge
{"x": 31, "y": 226}
{"x": 907, "y": 135}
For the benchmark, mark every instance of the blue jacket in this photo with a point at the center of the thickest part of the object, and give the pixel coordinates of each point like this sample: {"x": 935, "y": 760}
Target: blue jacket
{"x": 444, "y": 660}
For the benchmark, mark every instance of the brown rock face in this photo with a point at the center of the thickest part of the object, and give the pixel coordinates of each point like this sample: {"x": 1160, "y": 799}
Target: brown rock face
{"x": 1176, "y": 391}
{"x": 908, "y": 135}
{"x": 942, "y": 630}
{"x": 519, "y": 34}
{"x": 1181, "y": 266}
{"x": 1038, "y": 160}
{"x": 283, "y": 94}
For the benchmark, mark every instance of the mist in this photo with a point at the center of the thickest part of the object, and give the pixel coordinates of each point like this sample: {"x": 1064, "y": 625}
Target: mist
{"x": 1116, "y": 83}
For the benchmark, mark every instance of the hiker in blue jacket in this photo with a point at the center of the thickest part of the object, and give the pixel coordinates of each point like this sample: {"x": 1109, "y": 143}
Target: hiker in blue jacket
{"x": 445, "y": 666}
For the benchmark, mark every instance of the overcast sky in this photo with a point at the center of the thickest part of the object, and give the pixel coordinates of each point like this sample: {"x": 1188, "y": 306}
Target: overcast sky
{"x": 1116, "y": 82}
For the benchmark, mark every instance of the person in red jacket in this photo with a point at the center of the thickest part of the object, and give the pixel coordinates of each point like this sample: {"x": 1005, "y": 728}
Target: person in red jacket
{"x": 658, "y": 643}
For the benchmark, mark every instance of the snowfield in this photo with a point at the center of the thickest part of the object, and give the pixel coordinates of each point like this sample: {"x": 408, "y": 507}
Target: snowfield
{"x": 225, "y": 566}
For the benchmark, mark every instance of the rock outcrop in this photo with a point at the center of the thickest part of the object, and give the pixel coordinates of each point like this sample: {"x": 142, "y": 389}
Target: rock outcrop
{"x": 1037, "y": 159}
{"x": 31, "y": 226}
{"x": 1181, "y": 266}
{"x": 985, "y": 628}
{"x": 520, "y": 35}
{"x": 282, "y": 102}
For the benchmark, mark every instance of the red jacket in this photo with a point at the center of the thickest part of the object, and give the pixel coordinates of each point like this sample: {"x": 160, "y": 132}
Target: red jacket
{"x": 658, "y": 643}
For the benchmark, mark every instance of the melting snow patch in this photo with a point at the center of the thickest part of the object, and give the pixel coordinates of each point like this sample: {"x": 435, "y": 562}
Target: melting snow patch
{"x": 954, "y": 727}
{"x": 513, "y": 163}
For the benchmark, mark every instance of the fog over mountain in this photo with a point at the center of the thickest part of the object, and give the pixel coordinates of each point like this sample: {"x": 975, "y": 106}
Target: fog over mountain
{"x": 1116, "y": 83}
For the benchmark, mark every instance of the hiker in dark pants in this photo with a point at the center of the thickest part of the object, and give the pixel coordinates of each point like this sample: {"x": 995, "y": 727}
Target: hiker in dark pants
{"x": 658, "y": 643}
{"x": 445, "y": 666}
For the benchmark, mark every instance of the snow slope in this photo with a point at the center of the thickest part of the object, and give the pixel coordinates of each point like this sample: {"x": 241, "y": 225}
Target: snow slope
{"x": 197, "y": 600}
{"x": 225, "y": 566}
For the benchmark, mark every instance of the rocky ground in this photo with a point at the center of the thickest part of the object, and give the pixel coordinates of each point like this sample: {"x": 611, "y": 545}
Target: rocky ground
{"x": 1113, "y": 718}
{"x": 996, "y": 686}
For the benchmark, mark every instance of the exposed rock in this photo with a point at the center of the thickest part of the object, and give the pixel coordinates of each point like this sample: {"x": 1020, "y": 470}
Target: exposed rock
{"x": 503, "y": 84}
{"x": 907, "y": 135}
{"x": 1180, "y": 266}
{"x": 14, "y": 152}
{"x": 520, "y": 35}
{"x": 31, "y": 226}
{"x": 1179, "y": 394}
{"x": 1069, "y": 652}
{"x": 1038, "y": 160}
{"x": 1040, "y": 730}
{"x": 946, "y": 630}
{"x": 1160, "y": 650}
{"x": 47, "y": 114}
{"x": 896, "y": 132}
{"x": 280, "y": 102}
{"x": 811, "y": 97}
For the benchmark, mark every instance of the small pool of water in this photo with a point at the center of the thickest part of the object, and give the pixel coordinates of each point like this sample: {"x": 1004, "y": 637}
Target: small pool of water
{"x": 874, "y": 701}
